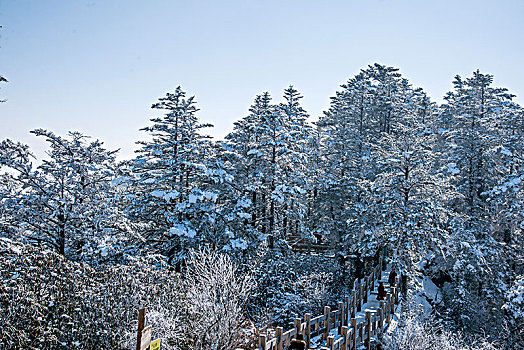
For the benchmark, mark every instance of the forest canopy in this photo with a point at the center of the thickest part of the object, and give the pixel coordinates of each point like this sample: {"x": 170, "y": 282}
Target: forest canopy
{"x": 439, "y": 185}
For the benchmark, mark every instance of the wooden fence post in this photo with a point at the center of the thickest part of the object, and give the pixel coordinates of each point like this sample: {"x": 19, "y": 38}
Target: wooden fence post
{"x": 330, "y": 341}
{"x": 373, "y": 277}
{"x": 307, "y": 317}
{"x": 262, "y": 342}
{"x": 354, "y": 335}
{"x": 327, "y": 313}
{"x": 381, "y": 316}
{"x": 141, "y": 316}
{"x": 345, "y": 337}
{"x": 366, "y": 287}
{"x": 280, "y": 342}
{"x": 353, "y": 302}
{"x": 298, "y": 324}
{"x": 368, "y": 330}
{"x": 347, "y": 309}
{"x": 341, "y": 320}
{"x": 359, "y": 302}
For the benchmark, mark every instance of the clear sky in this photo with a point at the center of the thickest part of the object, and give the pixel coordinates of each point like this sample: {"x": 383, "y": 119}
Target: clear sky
{"x": 96, "y": 66}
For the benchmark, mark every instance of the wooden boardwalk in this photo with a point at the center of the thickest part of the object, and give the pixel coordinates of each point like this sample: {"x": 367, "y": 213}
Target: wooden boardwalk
{"x": 357, "y": 319}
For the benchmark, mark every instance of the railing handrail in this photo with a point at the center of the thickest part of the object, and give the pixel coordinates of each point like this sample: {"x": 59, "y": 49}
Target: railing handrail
{"x": 351, "y": 332}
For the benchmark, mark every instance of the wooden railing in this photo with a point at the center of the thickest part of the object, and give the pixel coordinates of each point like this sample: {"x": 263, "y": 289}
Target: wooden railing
{"x": 350, "y": 332}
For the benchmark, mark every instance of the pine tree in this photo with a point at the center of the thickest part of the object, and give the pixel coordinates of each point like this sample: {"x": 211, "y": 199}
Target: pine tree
{"x": 65, "y": 202}
{"x": 475, "y": 110}
{"x": 345, "y": 129}
{"x": 269, "y": 156}
{"x": 371, "y": 106}
{"x": 247, "y": 165}
{"x": 172, "y": 194}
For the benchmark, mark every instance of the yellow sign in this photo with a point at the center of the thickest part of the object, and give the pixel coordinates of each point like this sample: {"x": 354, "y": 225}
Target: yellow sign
{"x": 155, "y": 345}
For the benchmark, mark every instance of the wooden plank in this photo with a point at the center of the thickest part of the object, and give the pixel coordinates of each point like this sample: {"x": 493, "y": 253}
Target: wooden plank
{"x": 368, "y": 330}
{"x": 354, "y": 303}
{"x": 298, "y": 325}
{"x": 317, "y": 319}
{"x": 346, "y": 310}
{"x": 354, "y": 332}
{"x": 271, "y": 344}
{"x": 321, "y": 331}
{"x": 303, "y": 327}
{"x": 330, "y": 341}
{"x": 341, "y": 318}
{"x": 337, "y": 345}
{"x": 287, "y": 336}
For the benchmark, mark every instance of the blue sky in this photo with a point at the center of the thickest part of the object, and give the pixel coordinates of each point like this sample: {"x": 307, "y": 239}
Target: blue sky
{"x": 97, "y": 66}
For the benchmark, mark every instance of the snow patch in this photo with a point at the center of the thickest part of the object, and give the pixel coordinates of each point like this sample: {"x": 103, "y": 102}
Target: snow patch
{"x": 182, "y": 230}
{"x": 431, "y": 290}
{"x": 452, "y": 168}
{"x": 193, "y": 198}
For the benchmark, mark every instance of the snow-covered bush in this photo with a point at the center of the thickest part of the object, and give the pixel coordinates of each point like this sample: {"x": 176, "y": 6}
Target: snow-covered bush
{"x": 514, "y": 307}
{"x": 515, "y": 299}
{"x": 215, "y": 295}
{"x": 290, "y": 286}
{"x": 414, "y": 332}
{"x": 49, "y": 302}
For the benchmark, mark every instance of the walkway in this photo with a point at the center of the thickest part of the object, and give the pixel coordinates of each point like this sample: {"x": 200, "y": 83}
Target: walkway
{"x": 356, "y": 321}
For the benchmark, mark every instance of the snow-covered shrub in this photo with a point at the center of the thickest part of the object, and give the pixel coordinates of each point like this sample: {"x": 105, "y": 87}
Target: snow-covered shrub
{"x": 515, "y": 299}
{"x": 472, "y": 275}
{"x": 314, "y": 289}
{"x": 291, "y": 285}
{"x": 514, "y": 308}
{"x": 215, "y": 295}
{"x": 414, "y": 332}
{"x": 49, "y": 302}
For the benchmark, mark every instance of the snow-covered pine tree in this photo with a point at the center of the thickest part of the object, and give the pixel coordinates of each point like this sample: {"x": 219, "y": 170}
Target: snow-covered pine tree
{"x": 411, "y": 190}
{"x": 246, "y": 163}
{"x": 479, "y": 123}
{"x": 172, "y": 196}
{"x": 343, "y": 132}
{"x": 268, "y": 153}
{"x": 295, "y": 154}
{"x": 65, "y": 202}
{"x": 476, "y": 113}
{"x": 369, "y": 106}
